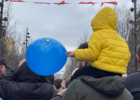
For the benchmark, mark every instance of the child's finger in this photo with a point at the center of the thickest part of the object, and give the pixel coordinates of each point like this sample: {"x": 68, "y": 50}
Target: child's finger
{"x": 68, "y": 53}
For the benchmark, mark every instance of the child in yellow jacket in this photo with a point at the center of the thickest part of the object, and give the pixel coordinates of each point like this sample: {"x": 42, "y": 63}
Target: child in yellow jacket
{"x": 106, "y": 49}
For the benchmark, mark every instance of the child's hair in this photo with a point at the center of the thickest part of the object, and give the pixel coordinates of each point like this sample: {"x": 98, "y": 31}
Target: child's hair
{"x": 83, "y": 45}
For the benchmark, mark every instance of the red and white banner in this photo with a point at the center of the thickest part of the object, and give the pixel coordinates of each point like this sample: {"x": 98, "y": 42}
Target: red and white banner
{"x": 63, "y": 2}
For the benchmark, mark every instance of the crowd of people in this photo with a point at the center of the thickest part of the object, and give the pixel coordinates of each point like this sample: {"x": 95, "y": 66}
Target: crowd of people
{"x": 98, "y": 76}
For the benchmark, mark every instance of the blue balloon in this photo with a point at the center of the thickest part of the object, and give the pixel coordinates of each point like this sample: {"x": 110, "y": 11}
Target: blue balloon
{"x": 46, "y": 56}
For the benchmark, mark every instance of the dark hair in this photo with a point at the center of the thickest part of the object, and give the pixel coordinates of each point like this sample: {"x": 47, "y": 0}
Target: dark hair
{"x": 83, "y": 45}
{"x": 138, "y": 50}
{"x": 50, "y": 78}
{"x": 67, "y": 81}
{"x": 57, "y": 83}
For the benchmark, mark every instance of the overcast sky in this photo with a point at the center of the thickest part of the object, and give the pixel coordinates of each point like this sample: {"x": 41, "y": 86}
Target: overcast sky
{"x": 64, "y": 22}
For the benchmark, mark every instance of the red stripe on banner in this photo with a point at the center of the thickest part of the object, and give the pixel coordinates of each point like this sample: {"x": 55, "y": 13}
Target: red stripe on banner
{"x": 61, "y": 3}
{"x": 114, "y": 3}
{"x": 17, "y": 1}
{"x": 41, "y": 3}
{"x": 87, "y": 3}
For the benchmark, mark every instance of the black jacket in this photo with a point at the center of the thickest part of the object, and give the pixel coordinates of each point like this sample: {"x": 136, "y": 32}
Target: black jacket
{"x": 22, "y": 84}
{"x": 133, "y": 84}
{"x": 1, "y": 76}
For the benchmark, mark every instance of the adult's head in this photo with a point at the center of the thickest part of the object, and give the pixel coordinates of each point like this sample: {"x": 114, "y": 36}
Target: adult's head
{"x": 50, "y": 78}
{"x": 25, "y": 74}
{"x": 82, "y": 63}
{"x": 57, "y": 83}
{"x": 3, "y": 66}
{"x": 138, "y": 54}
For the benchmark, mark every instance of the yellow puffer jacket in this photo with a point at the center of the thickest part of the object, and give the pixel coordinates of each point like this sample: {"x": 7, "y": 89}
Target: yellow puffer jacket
{"x": 106, "y": 49}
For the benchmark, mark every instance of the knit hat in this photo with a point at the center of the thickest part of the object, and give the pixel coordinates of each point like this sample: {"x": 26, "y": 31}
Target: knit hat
{"x": 2, "y": 62}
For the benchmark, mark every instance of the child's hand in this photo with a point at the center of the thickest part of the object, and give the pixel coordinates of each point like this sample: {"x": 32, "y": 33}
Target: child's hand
{"x": 71, "y": 54}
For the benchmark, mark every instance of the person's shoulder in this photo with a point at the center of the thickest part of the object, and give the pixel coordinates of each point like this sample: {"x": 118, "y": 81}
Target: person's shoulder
{"x": 133, "y": 76}
{"x": 96, "y": 35}
{"x": 78, "y": 83}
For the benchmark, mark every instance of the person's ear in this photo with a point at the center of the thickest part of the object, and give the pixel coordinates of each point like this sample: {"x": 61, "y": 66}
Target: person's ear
{"x": 84, "y": 64}
{"x": 138, "y": 58}
{"x": 1, "y": 67}
{"x": 79, "y": 64}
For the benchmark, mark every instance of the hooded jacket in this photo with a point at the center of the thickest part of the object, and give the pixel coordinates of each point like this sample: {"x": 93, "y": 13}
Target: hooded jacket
{"x": 106, "y": 49}
{"x": 23, "y": 84}
{"x": 90, "y": 88}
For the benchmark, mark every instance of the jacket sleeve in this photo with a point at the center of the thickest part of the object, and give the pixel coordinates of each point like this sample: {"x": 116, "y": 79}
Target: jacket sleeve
{"x": 3, "y": 88}
{"x": 5, "y": 82}
{"x": 70, "y": 94}
{"x": 92, "y": 52}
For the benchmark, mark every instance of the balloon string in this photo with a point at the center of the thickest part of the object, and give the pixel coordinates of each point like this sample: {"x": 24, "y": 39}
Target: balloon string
{"x": 70, "y": 60}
